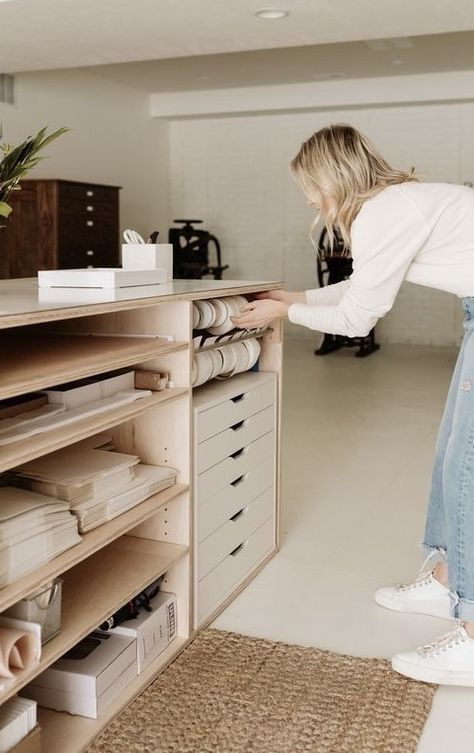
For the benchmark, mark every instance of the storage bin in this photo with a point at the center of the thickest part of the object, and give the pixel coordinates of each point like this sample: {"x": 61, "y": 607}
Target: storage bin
{"x": 43, "y": 607}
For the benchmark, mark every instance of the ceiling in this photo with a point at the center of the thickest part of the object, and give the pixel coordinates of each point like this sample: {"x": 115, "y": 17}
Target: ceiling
{"x": 388, "y": 57}
{"x": 49, "y": 34}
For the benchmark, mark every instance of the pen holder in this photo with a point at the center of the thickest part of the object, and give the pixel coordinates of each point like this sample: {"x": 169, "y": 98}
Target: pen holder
{"x": 148, "y": 256}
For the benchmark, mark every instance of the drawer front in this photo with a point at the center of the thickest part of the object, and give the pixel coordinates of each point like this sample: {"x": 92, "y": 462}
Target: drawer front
{"x": 213, "y": 450}
{"x": 86, "y": 208}
{"x": 230, "y": 412}
{"x": 231, "y": 534}
{"x": 74, "y": 226}
{"x": 215, "y": 511}
{"x": 225, "y": 578}
{"x": 70, "y": 192}
{"x": 78, "y": 256}
{"x": 230, "y": 469}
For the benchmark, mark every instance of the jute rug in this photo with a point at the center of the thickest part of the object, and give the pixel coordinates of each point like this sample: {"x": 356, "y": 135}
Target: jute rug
{"x": 227, "y": 693}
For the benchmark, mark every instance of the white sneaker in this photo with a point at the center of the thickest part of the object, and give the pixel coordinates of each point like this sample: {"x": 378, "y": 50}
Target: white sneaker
{"x": 425, "y": 595}
{"x": 449, "y": 660}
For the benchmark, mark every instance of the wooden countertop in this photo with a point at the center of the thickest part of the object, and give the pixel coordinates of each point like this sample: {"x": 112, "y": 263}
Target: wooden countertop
{"x": 22, "y": 302}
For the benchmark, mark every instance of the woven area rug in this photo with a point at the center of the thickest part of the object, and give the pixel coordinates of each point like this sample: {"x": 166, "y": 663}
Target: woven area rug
{"x": 227, "y": 693}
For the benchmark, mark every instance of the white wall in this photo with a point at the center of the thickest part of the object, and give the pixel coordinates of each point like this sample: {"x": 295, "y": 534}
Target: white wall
{"x": 233, "y": 173}
{"x": 113, "y": 139}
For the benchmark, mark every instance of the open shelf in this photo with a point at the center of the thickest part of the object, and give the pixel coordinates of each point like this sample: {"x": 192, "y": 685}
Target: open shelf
{"x": 61, "y": 732}
{"x": 37, "y": 361}
{"x": 88, "y": 599}
{"x": 16, "y": 453}
{"x": 91, "y": 542}
{"x": 234, "y": 337}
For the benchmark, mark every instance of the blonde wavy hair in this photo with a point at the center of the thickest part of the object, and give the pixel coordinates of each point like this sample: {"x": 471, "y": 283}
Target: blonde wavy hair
{"x": 338, "y": 169}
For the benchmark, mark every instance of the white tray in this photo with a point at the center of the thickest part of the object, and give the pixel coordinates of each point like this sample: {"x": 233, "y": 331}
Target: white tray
{"x": 107, "y": 277}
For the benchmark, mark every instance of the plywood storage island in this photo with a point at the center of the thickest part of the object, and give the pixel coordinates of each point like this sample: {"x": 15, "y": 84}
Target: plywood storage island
{"x": 211, "y": 531}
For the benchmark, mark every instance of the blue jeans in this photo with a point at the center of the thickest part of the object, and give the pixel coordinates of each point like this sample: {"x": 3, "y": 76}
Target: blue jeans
{"x": 450, "y": 520}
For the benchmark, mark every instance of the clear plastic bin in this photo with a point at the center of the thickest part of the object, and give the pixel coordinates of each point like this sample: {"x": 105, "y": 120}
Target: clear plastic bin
{"x": 43, "y": 606}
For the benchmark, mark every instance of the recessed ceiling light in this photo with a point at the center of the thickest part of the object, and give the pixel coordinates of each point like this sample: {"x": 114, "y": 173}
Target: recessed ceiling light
{"x": 272, "y": 13}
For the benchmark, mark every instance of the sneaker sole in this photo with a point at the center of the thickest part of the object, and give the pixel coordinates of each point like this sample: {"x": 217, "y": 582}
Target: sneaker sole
{"x": 430, "y": 608}
{"x": 436, "y": 676}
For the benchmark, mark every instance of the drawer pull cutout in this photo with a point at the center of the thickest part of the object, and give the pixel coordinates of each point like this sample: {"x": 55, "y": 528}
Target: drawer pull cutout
{"x": 238, "y": 425}
{"x": 238, "y": 398}
{"x": 237, "y": 454}
{"x": 237, "y": 549}
{"x": 238, "y": 514}
{"x": 238, "y": 481}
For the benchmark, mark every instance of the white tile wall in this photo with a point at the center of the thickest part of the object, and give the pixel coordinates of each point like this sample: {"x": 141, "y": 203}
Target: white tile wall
{"x": 233, "y": 173}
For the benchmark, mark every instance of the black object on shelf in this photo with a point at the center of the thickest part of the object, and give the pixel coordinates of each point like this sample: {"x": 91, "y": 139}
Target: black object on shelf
{"x": 333, "y": 266}
{"x": 192, "y": 248}
{"x": 131, "y": 609}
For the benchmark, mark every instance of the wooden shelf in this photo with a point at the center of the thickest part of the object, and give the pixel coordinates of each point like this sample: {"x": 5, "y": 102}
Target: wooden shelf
{"x": 61, "y": 732}
{"x": 16, "y": 453}
{"x": 91, "y": 542}
{"x": 88, "y": 599}
{"x": 37, "y": 361}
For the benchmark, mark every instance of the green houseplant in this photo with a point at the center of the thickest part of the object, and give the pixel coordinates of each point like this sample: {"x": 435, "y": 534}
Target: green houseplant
{"x": 16, "y": 161}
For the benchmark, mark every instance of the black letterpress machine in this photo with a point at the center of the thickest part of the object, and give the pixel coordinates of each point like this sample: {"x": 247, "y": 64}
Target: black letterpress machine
{"x": 335, "y": 265}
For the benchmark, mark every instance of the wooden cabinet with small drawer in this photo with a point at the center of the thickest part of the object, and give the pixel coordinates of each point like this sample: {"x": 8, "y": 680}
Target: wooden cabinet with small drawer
{"x": 60, "y": 224}
{"x": 235, "y": 485}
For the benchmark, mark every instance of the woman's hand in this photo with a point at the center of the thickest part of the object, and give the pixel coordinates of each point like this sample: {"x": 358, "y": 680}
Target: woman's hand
{"x": 282, "y": 295}
{"x": 260, "y": 313}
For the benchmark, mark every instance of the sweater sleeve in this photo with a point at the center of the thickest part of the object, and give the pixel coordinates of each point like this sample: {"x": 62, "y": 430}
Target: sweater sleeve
{"x": 386, "y": 236}
{"x": 326, "y": 295}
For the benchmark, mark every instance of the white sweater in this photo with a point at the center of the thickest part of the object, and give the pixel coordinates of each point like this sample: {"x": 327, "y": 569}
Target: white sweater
{"x": 421, "y": 232}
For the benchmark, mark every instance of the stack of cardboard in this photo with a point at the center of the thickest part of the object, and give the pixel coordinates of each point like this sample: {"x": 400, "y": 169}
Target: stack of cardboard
{"x": 17, "y": 719}
{"x": 97, "y": 484}
{"x": 34, "y": 528}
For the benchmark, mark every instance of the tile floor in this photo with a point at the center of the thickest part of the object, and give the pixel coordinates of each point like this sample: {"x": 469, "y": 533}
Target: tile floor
{"x": 358, "y": 442}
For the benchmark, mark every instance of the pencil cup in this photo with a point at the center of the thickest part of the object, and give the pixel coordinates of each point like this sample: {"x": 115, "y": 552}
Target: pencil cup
{"x": 148, "y": 256}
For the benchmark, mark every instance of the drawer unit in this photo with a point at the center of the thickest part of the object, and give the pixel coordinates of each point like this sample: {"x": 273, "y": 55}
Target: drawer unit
{"x": 230, "y": 469}
{"x": 213, "y": 450}
{"x": 227, "y": 576}
{"x": 234, "y": 531}
{"x": 235, "y": 484}
{"x": 243, "y": 401}
{"x": 216, "y": 510}
{"x": 60, "y": 224}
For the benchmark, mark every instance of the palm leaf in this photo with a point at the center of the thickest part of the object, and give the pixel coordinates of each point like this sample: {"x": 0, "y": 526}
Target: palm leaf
{"x": 18, "y": 161}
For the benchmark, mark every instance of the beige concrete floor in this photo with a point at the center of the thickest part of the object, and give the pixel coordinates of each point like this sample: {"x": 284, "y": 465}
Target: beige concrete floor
{"x": 358, "y": 443}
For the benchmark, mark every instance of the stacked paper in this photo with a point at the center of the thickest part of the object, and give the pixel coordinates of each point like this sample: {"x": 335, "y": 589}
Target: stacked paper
{"x": 17, "y": 719}
{"x": 98, "y": 484}
{"x": 34, "y": 528}
{"x": 51, "y": 417}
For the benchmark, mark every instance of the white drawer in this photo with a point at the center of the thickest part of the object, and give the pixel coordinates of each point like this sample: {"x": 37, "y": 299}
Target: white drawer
{"x": 213, "y": 450}
{"x": 214, "y": 511}
{"x": 234, "y": 409}
{"x": 230, "y": 469}
{"x": 219, "y": 544}
{"x": 220, "y": 582}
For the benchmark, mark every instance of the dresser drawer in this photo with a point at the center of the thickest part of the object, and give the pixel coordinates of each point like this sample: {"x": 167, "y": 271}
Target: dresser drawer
{"x": 230, "y": 469}
{"x": 220, "y": 582}
{"x": 234, "y": 409}
{"x": 237, "y": 529}
{"x": 216, "y": 510}
{"x": 76, "y": 256}
{"x": 216, "y": 448}
{"x": 87, "y": 191}
{"x": 86, "y": 208}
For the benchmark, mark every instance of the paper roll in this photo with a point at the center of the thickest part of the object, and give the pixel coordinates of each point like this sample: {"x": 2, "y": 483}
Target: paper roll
{"x": 18, "y": 650}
